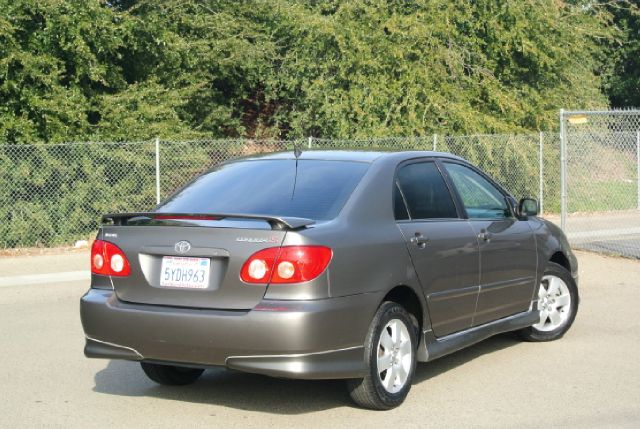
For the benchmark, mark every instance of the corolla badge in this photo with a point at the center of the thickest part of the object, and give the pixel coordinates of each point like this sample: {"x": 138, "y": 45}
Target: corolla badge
{"x": 182, "y": 246}
{"x": 257, "y": 239}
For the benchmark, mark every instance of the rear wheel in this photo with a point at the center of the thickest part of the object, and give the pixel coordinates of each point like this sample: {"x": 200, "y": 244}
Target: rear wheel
{"x": 171, "y": 375}
{"x": 557, "y": 305}
{"x": 390, "y": 358}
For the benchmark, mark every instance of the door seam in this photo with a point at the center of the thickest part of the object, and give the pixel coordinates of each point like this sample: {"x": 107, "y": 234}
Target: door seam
{"x": 475, "y": 310}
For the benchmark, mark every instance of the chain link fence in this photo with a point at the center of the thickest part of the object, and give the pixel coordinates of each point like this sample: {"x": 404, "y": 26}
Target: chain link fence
{"x": 601, "y": 186}
{"x": 54, "y": 194}
{"x": 587, "y": 177}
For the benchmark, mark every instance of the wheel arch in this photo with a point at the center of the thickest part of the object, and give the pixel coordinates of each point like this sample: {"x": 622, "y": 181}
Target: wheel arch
{"x": 410, "y": 300}
{"x": 413, "y": 301}
{"x": 560, "y": 258}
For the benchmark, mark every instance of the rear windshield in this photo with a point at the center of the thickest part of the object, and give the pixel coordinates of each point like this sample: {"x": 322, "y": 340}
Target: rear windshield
{"x": 314, "y": 189}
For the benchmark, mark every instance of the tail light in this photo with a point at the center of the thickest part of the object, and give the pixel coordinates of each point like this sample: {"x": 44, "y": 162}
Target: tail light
{"x": 288, "y": 264}
{"x": 107, "y": 259}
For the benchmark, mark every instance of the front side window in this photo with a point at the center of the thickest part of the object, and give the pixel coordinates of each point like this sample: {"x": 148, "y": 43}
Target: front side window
{"x": 425, "y": 192}
{"x": 481, "y": 199}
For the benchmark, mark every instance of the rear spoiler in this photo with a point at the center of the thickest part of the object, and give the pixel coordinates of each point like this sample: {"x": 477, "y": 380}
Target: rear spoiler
{"x": 276, "y": 222}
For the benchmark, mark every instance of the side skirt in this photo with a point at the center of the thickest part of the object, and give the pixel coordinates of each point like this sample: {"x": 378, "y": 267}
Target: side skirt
{"x": 432, "y": 348}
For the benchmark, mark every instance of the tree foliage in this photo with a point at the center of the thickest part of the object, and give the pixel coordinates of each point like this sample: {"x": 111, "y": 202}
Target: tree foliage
{"x": 623, "y": 83}
{"x": 184, "y": 69}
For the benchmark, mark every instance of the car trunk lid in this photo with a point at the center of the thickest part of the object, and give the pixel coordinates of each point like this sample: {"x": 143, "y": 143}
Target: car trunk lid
{"x": 220, "y": 243}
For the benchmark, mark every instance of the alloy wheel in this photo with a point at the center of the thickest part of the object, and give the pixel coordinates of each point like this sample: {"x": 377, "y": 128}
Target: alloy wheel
{"x": 554, "y": 303}
{"x": 394, "y": 356}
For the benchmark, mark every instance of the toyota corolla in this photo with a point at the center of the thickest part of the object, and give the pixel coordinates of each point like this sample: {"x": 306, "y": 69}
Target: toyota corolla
{"x": 323, "y": 265}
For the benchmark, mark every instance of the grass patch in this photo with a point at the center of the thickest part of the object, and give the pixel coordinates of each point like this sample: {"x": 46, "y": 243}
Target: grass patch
{"x": 602, "y": 196}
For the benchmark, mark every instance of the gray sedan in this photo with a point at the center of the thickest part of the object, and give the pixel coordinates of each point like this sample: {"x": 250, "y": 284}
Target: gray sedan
{"x": 326, "y": 264}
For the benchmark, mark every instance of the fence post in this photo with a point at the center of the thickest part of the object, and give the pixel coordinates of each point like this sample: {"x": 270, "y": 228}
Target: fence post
{"x": 638, "y": 164}
{"x": 435, "y": 141}
{"x": 310, "y": 140}
{"x": 541, "y": 172}
{"x": 157, "y": 170}
{"x": 563, "y": 173}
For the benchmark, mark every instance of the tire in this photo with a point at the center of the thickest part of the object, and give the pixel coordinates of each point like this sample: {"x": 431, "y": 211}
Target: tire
{"x": 171, "y": 375}
{"x": 383, "y": 390}
{"x": 558, "y": 306}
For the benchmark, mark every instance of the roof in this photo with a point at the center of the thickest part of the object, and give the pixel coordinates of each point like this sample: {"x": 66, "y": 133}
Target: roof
{"x": 351, "y": 155}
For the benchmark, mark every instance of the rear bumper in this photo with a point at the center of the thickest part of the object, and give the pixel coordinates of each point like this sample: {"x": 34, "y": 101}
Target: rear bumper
{"x": 297, "y": 339}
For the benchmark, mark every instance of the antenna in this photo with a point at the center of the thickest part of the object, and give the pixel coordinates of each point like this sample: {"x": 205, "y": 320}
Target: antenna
{"x": 296, "y": 152}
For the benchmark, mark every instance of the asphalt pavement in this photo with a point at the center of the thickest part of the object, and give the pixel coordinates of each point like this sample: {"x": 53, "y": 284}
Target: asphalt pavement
{"x": 590, "y": 378}
{"x": 610, "y": 233}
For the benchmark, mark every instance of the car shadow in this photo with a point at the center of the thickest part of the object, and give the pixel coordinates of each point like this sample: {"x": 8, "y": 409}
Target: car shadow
{"x": 446, "y": 363}
{"x": 228, "y": 388}
{"x": 252, "y": 392}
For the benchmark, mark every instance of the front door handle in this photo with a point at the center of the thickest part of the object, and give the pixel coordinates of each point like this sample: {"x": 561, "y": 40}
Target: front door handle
{"x": 419, "y": 240}
{"x": 484, "y": 235}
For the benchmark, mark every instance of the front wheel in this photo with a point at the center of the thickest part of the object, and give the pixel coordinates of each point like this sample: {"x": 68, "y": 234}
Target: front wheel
{"x": 390, "y": 357}
{"x": 557, "y": 305}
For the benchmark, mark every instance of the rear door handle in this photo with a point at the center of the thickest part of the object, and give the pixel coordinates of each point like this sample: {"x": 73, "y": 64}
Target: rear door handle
{"x": 419, "y": 240}
{"x": 484, "y": 235}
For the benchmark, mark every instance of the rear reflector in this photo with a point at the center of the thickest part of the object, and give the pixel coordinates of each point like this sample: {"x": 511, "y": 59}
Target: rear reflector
{"x": 107, "y": 259}
{"x": 288, "y": 264}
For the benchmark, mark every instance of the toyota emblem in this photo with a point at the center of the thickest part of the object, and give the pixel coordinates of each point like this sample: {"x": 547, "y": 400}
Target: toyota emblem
{"x": 182, "y": 246}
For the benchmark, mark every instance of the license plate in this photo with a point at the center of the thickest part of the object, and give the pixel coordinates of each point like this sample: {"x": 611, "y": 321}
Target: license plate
{"x": 185, "y": 272}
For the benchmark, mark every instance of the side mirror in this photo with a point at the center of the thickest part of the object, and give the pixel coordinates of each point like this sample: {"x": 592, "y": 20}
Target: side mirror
{"x": 528, "y": 207}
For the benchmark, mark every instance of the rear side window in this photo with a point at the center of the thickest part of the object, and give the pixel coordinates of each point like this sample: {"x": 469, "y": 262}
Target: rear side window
{"x": 425, "y": 192}
{"x": 314, "y": 189}
{"x": 399, "y": 206}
